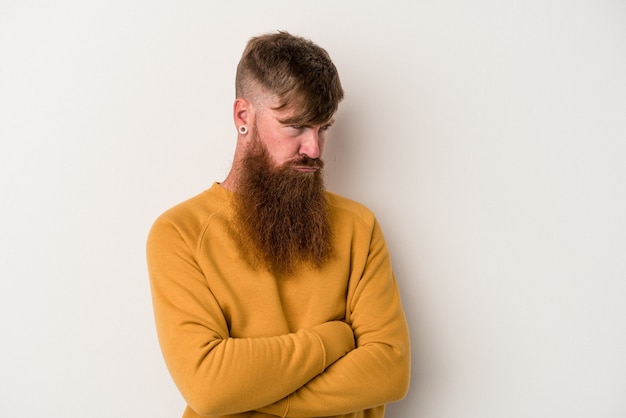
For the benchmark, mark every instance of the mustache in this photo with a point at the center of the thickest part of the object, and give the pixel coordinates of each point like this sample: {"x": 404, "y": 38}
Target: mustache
{"x": 307, "y": 162}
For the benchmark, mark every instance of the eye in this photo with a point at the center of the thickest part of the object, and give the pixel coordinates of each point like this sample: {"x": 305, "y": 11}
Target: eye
{"x": 296, "y": 129}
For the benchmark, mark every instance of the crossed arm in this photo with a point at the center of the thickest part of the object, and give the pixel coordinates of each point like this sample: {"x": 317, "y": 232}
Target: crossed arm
{"x": 332, "y": 368}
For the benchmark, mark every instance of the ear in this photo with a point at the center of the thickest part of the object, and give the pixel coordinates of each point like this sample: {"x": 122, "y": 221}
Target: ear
{"x": 242, "y": 112}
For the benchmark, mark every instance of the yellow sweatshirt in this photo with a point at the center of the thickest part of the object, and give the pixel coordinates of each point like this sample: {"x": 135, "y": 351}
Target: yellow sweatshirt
{"x": 239, "y": 343}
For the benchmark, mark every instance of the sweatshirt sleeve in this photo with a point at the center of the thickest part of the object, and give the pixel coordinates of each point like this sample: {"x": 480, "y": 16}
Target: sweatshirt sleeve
{"x": 217, "y": 374}
{"x": 378, "y": 370}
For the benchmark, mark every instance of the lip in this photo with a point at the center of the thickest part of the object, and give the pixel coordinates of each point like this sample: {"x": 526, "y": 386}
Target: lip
{"x": 304, "y": 169}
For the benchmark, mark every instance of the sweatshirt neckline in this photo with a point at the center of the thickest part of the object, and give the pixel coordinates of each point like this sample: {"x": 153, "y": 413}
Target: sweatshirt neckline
{"x": 221, "y": 191}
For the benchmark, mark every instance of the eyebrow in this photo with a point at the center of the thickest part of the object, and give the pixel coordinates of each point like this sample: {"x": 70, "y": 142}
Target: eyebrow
{"x": 294, "y": 121}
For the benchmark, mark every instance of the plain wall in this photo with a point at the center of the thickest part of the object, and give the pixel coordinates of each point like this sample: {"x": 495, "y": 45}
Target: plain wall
{"x": 488, "y": 137}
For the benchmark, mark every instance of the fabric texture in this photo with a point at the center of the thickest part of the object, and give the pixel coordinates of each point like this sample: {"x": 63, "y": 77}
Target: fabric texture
{"x": 240, "y": 343}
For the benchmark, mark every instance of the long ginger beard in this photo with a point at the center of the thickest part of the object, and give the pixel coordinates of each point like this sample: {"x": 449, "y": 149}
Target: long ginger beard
{"x": 281, "y": 214}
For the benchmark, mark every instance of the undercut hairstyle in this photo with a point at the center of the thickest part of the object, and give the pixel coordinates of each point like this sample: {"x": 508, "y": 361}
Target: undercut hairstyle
{"x": 299, "y": 72}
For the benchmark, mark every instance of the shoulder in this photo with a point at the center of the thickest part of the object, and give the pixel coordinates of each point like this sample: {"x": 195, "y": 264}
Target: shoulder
{"x": 345, "y": 207}
{"x": 191, "y": 216}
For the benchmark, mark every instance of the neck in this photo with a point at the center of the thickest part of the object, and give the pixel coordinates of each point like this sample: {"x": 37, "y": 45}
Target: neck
{"x": 230, "y": 182}
{"x": 232, "y": 179}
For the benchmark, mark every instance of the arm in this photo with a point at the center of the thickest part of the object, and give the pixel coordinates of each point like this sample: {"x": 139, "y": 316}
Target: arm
{"x": 377, "y": 371}
{"x": 216, "y": 374}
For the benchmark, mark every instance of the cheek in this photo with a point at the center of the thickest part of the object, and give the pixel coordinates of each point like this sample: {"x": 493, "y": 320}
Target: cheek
{"x": 322, "y": 145}
{"x": 282, "y": 151}
{"x": 289, "y": 148}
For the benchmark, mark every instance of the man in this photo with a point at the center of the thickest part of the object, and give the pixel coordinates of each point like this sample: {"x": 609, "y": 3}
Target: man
{"x": 273, "y": 297}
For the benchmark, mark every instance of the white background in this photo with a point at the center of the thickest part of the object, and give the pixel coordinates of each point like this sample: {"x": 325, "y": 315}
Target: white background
{"x": 488, "y": 136}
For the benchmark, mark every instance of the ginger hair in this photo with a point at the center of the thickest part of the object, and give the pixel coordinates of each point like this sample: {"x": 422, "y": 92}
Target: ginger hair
{"x": 299, "y": 72}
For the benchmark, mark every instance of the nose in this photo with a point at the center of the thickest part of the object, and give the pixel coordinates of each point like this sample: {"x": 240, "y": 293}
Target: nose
{"x": 311, "y": 144}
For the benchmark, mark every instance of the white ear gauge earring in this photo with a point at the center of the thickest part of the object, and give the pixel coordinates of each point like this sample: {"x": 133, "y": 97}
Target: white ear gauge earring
{"x": 243, "y": 129}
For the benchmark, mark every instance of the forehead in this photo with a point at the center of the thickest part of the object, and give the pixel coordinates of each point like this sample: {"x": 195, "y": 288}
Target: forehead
{"x": 293, "y": 115}
{"x": 295, "y": 111}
